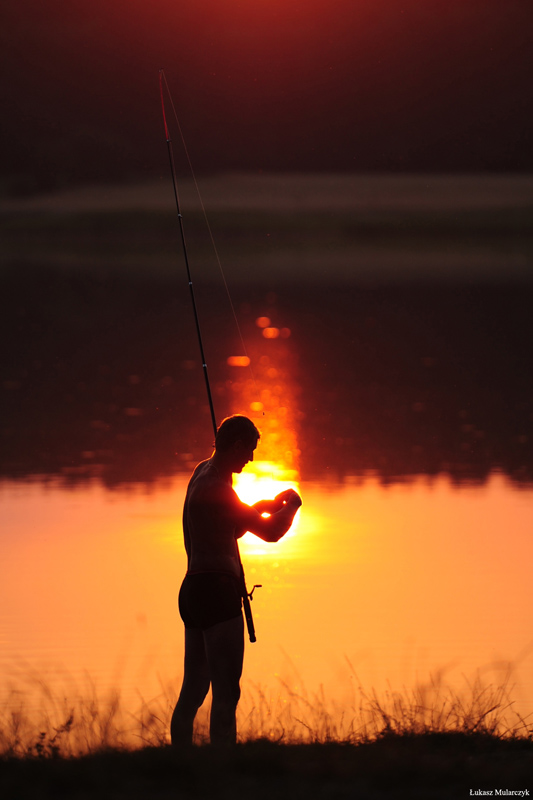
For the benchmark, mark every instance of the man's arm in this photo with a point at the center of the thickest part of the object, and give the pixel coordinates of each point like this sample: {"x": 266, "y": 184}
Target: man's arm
{"x": 282, "y": 511}
{"x": 272, "y": 506}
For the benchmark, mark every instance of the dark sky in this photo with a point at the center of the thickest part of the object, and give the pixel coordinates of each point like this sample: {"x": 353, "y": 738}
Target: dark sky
{"x": 344, "y": 85}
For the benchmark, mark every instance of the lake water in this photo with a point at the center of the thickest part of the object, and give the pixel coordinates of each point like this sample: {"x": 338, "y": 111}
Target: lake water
{"x": 379, "y": 586}
{"x": 388, "y": 325}
{"x": 405, "y": 417}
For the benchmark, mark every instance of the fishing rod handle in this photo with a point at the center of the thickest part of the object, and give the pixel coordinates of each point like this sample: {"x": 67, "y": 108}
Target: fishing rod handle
{"x": 249, "y": 618}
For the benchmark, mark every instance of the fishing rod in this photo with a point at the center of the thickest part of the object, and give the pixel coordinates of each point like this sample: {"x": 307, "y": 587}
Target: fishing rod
{"x": 246, "y": 596}
{"x": 185, "y": 255}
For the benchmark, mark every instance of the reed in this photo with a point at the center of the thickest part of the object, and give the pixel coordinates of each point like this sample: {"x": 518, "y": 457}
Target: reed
{"x": 55, "y": 723}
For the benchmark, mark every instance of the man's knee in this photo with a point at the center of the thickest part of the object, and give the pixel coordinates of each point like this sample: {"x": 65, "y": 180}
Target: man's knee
{"x": 234, "y": 694}
{"x": 193, "y": 693}
{"x": 226, "y": 690}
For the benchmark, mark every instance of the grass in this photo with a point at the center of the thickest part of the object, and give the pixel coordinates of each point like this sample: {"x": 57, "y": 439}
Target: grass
{"x": 420, "y": 767}
{"x": 431, "y": 742}
{"x": 41, "y": 722}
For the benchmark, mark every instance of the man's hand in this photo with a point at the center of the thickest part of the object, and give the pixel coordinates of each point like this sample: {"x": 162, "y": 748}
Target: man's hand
{"x": 289, "y": 497}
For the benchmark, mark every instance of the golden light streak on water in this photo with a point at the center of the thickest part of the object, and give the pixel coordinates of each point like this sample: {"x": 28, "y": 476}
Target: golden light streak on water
{"x": 271, "y": 333}
{"x": 238, "y": 361}
{"x": 269, "y": 398}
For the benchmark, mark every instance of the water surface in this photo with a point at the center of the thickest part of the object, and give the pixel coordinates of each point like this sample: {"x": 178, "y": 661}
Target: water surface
{"x": 404, "y": 415}
{"x": 383, "y": 586}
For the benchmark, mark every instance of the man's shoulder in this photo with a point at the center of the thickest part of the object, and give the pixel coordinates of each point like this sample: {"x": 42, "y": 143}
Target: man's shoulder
{"x": 199, "y": 469}
{"x": 205, "y": 480}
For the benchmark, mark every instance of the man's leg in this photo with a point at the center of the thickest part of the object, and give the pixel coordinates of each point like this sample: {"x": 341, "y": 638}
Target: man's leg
{"x": 194, "y": 688}
{"x": 224, "y": 647}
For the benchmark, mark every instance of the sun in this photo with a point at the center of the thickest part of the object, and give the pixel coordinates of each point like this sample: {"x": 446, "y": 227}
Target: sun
{"x": 264, "y": 480}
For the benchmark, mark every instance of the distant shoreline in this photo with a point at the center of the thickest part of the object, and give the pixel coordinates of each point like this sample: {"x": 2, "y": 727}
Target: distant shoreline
{"x": 369, "y": 229}
{"x": 294, "y": 192}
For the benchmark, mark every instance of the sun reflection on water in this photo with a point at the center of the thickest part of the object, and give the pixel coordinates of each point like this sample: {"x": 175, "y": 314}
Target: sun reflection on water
{"x": 269, "y": 398}
{"x": 264, "y": 480}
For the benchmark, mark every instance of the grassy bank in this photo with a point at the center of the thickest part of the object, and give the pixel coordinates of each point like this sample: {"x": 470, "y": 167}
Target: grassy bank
{"x": 408, "y": 766}
{"x": 432, "y": 742}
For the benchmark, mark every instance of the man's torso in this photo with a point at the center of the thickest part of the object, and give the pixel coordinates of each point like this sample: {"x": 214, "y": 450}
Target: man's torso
{"x": 208, "y": 524}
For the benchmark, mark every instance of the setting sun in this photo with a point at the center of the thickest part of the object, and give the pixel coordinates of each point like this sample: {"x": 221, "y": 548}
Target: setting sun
{"x": 263, "y": 480}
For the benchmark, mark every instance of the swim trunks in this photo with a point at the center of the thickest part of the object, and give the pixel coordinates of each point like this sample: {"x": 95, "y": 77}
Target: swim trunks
{"x": 207, "y": 598}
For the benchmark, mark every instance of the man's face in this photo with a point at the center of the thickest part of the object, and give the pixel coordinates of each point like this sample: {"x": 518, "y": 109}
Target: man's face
{"x": 243, "y": 454}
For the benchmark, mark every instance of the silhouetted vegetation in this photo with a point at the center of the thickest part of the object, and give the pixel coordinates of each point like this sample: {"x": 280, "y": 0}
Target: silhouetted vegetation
{"x": 433, "y": 743}
{"x": 436, "y": 767}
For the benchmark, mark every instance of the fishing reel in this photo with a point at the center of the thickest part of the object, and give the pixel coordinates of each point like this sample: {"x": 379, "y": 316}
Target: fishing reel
{"x": 254, "y": 587}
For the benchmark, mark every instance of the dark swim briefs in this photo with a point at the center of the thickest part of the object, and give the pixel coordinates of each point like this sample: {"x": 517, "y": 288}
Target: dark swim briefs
{"x": 207, "y": 598}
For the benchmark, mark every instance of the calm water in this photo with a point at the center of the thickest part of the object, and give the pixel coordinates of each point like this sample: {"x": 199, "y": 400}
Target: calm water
{"x": 405, "y": 415}
{"x": 375, "y": 585}
{"x": 391, "y": 379}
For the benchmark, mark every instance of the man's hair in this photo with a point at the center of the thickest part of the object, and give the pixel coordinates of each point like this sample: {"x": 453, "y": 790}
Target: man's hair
{"x": 234, "y": 429}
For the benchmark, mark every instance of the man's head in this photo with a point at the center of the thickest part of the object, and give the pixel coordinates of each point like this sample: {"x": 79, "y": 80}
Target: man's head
{"x": 237, "y": 439}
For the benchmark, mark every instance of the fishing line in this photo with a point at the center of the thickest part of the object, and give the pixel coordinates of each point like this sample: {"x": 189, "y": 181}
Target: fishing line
{"x": 246, "y": 596}
{"x": 162, "y": 78}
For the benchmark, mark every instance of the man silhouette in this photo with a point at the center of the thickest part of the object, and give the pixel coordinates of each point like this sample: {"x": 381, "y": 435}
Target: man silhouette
{"x": 210, "y": 599}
